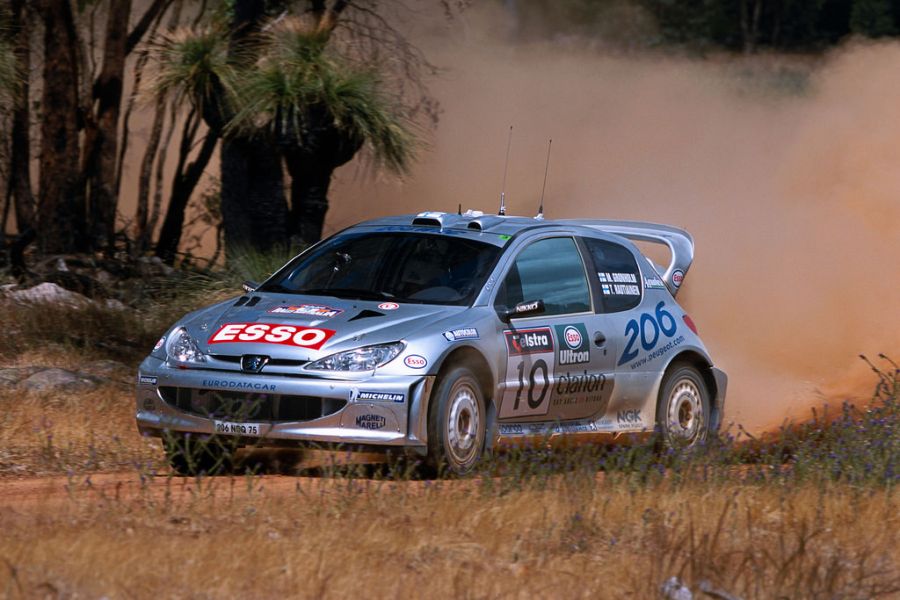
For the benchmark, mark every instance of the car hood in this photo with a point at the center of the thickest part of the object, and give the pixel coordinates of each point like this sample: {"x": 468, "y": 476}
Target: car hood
{"x": 348, "y": 323}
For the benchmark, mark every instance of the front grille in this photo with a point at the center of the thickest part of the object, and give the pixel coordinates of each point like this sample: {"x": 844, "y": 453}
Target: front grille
{"x": 273, "y": 362}
{"x": 241, "y": 406}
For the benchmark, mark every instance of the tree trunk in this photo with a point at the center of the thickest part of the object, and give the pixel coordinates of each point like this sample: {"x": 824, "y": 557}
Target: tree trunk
{"x": 61, "y": 215}
{"x": 142, "y": 232}
{"x": 182, "y": 187}
{"x": 102, "y": 141}
{"x": 309, "y": 200}
{"x": 311, "y": 162}
{"x": 254, "y": 210}
{"x": 20, "y": 151}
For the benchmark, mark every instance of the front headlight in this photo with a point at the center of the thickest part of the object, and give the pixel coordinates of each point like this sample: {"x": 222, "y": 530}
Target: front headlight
{"x": 366, "y": 358}
{"x": 182, "y": 348}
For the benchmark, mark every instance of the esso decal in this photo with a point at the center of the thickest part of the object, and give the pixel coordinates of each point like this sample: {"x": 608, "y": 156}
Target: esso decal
{"x": 414, "y": 361}
{"x": 269, "y": 333}
{"x": 388, "y": 306}
{"x": 573, "y": 338}
{"x": 160, "y": 343}
{"x": 677, "y": 277}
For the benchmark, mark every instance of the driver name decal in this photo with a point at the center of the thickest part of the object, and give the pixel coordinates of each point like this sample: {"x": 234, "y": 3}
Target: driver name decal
{"x": 270, "y": 333}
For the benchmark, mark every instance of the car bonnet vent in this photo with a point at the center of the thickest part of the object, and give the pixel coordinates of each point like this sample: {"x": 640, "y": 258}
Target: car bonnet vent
{"x": 365, "y": 314}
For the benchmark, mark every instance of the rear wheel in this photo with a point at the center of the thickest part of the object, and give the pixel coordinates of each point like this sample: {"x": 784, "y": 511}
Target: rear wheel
{"x": 456, "y": 422}
{"x": 683, "y": 408}
{"x": 190, "y": 455}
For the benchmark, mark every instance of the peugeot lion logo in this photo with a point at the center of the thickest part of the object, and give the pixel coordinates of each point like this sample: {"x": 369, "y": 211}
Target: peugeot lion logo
{"x": 253, "y": 363}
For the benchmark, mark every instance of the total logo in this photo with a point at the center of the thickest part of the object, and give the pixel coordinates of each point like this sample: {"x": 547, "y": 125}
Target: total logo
{"x": 414, "y": 361}
{"x": 677, "y": 277}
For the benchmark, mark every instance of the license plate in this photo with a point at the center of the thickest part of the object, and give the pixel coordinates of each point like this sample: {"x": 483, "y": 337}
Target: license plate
{"x": 229, "y": 428}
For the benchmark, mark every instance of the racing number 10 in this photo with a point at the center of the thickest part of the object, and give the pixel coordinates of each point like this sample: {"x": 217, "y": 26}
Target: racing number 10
{"x": 648, "y": 330}
{"x": 533, "y": 403}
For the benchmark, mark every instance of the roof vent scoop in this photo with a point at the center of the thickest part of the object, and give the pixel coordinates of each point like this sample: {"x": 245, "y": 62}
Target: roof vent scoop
{"x": 476, "y": 225}
{"x": 429, "y": 219}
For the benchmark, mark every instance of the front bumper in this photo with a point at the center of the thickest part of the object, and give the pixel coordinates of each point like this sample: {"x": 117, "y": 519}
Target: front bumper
{"x": 378, "y": 410}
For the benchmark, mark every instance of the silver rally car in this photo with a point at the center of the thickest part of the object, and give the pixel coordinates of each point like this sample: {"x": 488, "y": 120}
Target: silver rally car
{"x": 447, "y": 335}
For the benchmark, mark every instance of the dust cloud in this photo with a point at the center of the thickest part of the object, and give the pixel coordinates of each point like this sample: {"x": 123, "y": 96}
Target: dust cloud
{"x": 793, "y": 197}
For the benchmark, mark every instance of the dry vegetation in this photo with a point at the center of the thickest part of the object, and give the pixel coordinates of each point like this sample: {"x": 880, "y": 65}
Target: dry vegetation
{"x": 349, "y": 538}
{"x": 88, "y": 509}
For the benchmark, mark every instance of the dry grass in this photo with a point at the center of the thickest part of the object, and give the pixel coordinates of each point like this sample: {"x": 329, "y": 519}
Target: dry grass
{"x": 573, "y": 539}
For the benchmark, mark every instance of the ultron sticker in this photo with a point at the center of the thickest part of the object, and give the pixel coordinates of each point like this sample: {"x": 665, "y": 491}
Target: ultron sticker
{"x": 270, "y": 333}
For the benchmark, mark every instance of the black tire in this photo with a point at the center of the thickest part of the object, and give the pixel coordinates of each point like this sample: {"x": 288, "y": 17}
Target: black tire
{"x": 190, "y": 455}
{"x": 457, "y": 422}
{"x": 683, "y": 408}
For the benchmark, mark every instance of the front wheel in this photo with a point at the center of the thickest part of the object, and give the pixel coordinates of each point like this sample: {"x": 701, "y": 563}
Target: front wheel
{"x": 456, "y": 422}
{"x": 683, "y": 408}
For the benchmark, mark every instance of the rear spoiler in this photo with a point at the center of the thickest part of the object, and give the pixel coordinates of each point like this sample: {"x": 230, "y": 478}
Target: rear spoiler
{"x": 679, "y": 241}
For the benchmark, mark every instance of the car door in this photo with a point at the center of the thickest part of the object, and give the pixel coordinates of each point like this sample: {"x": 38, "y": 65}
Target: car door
{"x": 557, "y": 368}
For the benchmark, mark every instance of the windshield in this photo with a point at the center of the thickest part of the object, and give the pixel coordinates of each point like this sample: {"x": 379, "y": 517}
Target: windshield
{"x": 400, "y": 267}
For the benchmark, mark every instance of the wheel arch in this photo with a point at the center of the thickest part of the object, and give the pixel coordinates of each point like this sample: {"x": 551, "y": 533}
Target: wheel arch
{"x": 472, "y": 358}
{"x": 705, "y": 367}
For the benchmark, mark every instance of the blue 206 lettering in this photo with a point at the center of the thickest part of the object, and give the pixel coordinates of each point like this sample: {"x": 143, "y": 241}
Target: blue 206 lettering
{"x": 648, "y": 329}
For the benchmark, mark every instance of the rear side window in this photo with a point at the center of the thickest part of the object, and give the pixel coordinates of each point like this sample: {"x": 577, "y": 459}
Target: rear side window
{"x": 617, "y": 271}
{"x": 550, "y": 270}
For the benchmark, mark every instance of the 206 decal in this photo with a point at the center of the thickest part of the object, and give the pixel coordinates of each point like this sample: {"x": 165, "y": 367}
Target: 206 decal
{"x": 647, "y": 328}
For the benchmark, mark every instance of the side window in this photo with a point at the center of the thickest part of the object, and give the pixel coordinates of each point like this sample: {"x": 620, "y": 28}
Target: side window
{"x": 550, "y": 270}
{"x": 620, "y": 278}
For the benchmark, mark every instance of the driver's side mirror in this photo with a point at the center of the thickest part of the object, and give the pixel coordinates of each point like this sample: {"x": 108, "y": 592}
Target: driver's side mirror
{"x": 249, "y": 286}
{"x": 530, "y": 308}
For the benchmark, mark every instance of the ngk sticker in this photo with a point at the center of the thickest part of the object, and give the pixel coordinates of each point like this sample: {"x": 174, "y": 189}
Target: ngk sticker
{"x": 269, "y": 333}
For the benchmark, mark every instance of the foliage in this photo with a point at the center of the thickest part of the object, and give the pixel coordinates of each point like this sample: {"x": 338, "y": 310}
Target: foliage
{"x": 297, "y": 74}
{"x": 194, "y": 67}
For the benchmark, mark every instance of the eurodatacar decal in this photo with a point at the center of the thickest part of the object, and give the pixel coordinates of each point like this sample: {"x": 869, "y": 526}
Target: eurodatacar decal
{"x": 573, "y": 344}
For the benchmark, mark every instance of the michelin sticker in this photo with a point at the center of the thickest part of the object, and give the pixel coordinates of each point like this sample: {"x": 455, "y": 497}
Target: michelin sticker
{"x": 384, "y": 396}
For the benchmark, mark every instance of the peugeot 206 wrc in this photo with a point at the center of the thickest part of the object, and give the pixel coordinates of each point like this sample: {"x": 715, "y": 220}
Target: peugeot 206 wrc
{"x": 447, "y": 335}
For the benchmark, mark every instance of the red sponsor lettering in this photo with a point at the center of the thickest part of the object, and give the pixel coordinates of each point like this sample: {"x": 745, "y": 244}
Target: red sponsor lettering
{"x": 268, "y": 333}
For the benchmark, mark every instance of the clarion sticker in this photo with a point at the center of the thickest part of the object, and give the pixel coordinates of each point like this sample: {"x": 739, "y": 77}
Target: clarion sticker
{"x": 529, "y": 341}
{"x": 312, "y": 310}
{"x": 239, "y": 385}
{"x": 465, "y": 333}
{"x": 370, "y": 421}
{"x": 147, "y": 380}
{"x": 414, "y": 361}
{"x": 270, "y": 333}
{"x": 385, "y": 396}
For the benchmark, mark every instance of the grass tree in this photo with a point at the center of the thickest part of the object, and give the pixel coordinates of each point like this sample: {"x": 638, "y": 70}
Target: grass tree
{"x": 322, "y": 110}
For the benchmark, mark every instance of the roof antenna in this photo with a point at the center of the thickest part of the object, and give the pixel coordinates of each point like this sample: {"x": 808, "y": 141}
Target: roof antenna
{"x": 505, "y": 169}
{"x": 459, "y": 210}
{"x": 540, "y": 214}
